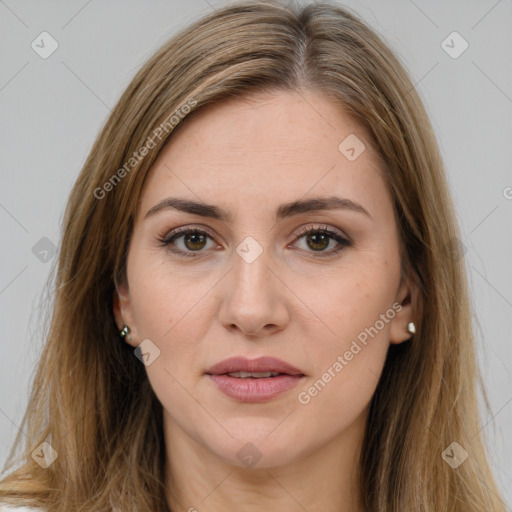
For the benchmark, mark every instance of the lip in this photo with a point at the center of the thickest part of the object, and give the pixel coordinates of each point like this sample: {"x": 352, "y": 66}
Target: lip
{"x": 261, "y": 364}
{"x": 254, "y": 390}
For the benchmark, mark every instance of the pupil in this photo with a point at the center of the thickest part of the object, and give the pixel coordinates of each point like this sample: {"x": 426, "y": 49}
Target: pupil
{"x": 193, "y": 237}
{"x": 324, "y": 239}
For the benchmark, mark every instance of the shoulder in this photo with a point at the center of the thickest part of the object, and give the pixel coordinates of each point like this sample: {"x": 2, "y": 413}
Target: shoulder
{"x": 7, "y": 507}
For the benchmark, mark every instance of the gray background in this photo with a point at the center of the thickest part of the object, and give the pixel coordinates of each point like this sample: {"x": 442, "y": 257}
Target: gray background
{"x": 51, "y": 110}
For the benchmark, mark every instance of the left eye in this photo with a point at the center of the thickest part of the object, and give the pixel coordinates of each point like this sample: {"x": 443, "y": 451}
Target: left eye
{"x": 319, "y": 239}
{"x": 194, "y": 241}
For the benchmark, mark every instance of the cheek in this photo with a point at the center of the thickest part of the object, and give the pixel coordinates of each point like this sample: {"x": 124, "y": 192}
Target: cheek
{"x": 169, "y": 311}
{"x": 351, "y": 339}
{"x": 173, "y": 309}
{"x": 347, "y": 364}
{"x": 162, "y": 298}
{"x": 351, "y": 299}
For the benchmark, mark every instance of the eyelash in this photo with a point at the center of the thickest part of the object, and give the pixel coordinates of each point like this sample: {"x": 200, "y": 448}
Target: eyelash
{"x": 343, "y": 242}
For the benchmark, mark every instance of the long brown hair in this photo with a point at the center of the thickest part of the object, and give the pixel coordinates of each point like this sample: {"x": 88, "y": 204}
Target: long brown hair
{"x": 91, "y": 400}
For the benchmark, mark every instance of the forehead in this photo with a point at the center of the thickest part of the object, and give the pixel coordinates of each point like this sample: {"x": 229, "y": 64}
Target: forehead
{"x": 278, "y": 145}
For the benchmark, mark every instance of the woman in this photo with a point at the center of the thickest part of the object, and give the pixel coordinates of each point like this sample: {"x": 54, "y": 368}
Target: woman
{"x": 259, "y": 300}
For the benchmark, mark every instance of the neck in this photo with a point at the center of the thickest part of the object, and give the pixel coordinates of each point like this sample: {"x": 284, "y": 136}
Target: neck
{"x": 327, "y": 478}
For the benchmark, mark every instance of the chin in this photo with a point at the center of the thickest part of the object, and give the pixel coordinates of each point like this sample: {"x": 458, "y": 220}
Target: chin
{"x": 255, "y": 449}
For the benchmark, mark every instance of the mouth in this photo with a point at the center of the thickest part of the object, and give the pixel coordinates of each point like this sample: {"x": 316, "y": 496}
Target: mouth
{"x": 253, "y": 375}
{"x": 254, "y": 380}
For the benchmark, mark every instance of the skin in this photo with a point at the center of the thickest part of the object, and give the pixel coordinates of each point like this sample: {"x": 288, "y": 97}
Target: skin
{"x": 249, "y": 156}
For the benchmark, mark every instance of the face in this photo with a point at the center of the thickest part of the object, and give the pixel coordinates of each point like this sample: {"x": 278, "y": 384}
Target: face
{"x": 316, "y": 286}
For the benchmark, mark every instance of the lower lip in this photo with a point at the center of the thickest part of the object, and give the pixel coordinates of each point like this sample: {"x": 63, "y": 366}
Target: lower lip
{"x": 255, "y": 390}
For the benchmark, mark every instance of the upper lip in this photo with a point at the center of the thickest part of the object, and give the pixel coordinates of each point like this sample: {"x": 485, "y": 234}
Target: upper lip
{"x": 261, "y": 364}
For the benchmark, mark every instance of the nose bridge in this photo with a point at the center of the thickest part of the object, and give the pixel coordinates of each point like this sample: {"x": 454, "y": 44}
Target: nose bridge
{"x": 252, "y": 300}
{"x": 251, "y": 276}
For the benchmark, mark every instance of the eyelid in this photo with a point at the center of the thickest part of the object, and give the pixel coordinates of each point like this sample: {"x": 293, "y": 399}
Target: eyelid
{"x": 305, "y": 228}
{"x": 190, "y": 227}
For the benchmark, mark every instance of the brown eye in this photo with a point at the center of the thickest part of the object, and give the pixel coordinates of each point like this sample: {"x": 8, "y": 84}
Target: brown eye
{"x": 194, "y": 241}
{"x": 186, "y": 241}
{"x": 319, "y": 239}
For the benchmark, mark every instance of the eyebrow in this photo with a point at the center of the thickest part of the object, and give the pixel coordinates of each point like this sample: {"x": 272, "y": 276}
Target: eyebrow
{"x": 314, "y": 204}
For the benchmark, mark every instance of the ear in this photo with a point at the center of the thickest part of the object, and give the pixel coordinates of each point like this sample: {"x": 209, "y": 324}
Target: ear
{"x": 406, "y": 297}
{"x": 123, "y": 312}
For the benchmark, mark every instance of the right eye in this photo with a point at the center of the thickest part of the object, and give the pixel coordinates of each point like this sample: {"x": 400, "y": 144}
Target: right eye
{"x": 193, "y": 240}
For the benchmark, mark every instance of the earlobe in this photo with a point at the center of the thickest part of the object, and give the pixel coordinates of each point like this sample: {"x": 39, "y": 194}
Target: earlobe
{"x": 123, "y": 313}
{"x": 120, "y": 301}
{"x": 403, "y": 325}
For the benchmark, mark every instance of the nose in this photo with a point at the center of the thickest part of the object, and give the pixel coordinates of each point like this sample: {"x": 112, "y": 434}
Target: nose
{"x": 252, "y": 298}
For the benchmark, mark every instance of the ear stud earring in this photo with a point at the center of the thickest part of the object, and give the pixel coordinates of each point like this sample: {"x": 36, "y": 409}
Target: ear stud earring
{"x": 411, "y": 328}
{"x": 125, "y": 333}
